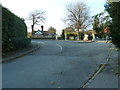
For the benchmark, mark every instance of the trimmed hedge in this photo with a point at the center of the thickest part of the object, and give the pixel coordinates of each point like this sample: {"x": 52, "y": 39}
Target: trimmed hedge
{"x": 12, "y": 25}
{"x": 14, "y": 32}
{"x": 16, "y": 44}
{"x": 19, "y": 43}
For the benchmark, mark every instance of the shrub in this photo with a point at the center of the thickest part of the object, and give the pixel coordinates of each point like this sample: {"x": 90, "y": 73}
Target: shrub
{"x": 7, "y": 46}
{"x": 12, "y": 25}
{"x": 14, "y": 32}
{"x": 113, "y": 9}
{"x": 16, "y": 44}
{"x": 19, "y": 43}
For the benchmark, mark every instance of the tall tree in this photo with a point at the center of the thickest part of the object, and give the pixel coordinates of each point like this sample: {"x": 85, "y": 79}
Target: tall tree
{"x": 37, "y": 17}
{"x": 113, "y": 9}
{"x": 101, "y": 21}
{"x": 77, "y": 15}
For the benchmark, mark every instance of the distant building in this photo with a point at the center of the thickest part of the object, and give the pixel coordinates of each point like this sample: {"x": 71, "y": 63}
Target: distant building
{"x": 38, "y": 34}
{"x": 43, "y": 34}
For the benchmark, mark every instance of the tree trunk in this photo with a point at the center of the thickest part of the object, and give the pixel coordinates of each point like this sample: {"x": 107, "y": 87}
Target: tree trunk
{"x": 78, "y": 36}
{"x": 32, "y": 26}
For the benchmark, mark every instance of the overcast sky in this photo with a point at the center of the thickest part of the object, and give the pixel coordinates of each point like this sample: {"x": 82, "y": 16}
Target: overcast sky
{"x": 55, "y": 9}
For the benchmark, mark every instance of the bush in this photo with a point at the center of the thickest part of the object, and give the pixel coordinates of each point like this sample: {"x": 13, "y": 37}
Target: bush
{"x": 7, "y": 46}
{"x": 19, "y": 43}
{"x": 12, "y": 25}
{"x": 113, "y": 9}
{"x": 90, "y": 37}
{"x": 14, "y": 32}
{"x": 16, "y": 44}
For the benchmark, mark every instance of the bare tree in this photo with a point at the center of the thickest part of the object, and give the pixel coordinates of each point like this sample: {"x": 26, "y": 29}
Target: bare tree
{"x": 36, "y": 17}
{"x": 77, "y": 15}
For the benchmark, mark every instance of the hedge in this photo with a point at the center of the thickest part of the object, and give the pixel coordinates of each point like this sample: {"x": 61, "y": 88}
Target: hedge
{"x": 19, "y": 43}
{"x": 14, "y": 32}
{"x": 12, "y": 25}
{"x": 16, "y": 44}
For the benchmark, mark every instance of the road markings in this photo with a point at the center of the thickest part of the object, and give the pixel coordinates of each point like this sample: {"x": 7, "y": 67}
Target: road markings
{"x": 60, "y": 47}
{"x": 41, "y": 42}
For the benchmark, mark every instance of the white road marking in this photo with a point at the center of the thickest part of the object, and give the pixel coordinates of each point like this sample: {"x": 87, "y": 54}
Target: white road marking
{"x": 59, "y": 46}
{"x": 42, "y": 42}
{"x": 39, "y": 42}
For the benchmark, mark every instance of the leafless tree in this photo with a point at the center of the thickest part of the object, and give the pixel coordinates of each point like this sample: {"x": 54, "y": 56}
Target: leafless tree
{"x": 77, "y": 15}
{"x": 37, "y": 17}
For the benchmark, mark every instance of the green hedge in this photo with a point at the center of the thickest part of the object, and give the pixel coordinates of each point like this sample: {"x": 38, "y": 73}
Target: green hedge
{"x": 14, "y": 32}
{"x": 19, "y": 43}
{"x": 16, "y": 44}
{"x": 12, "y": 25}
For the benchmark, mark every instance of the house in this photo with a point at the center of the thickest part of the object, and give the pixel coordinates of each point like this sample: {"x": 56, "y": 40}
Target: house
{"x": 43, "y": 34}
{"x": 38, "y": 34}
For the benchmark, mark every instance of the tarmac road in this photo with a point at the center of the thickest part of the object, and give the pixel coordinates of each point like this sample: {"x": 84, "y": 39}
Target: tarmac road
{"x": 57, "y": 64}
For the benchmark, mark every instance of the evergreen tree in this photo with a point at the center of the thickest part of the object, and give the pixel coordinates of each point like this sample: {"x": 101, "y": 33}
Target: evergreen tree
{"x": 113, "y": 9}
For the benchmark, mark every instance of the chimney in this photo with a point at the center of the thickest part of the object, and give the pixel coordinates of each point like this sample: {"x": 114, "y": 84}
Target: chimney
{"x": 42, "y": 28}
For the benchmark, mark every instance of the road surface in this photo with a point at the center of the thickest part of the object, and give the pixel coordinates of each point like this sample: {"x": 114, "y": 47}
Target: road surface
{"x": 57, "y": 64}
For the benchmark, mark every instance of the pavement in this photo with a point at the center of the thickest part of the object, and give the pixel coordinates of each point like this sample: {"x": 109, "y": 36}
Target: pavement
{"x": 107, "y": 78}
{"x": 61, "y": 64}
